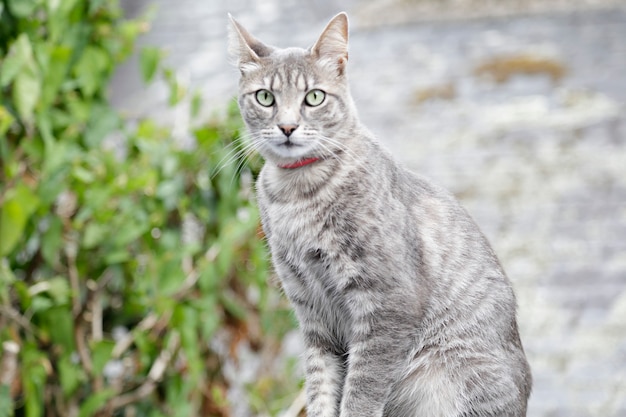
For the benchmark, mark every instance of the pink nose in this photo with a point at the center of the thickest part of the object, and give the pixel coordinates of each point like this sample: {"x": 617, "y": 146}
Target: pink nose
{"x": 287, "y": 129}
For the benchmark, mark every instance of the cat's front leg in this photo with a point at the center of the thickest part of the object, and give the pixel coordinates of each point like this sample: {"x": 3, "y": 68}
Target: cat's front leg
{"x": 377, "y": 359}
{"x": 368, "y": 382}
{"x": 324, "y": 379}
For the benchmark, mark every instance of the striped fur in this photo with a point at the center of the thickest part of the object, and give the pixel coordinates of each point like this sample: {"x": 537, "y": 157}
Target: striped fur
{"x": 403, "y": 306}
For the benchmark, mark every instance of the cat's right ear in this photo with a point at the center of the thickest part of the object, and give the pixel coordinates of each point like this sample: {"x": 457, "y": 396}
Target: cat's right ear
{"x": 244, "y": 48}
{"x": 332, "y": 46}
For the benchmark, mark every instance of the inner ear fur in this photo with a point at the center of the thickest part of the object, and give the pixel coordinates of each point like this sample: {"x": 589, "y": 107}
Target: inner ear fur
{"x": 332, "y": 45}
{"x": 244, "y": 47}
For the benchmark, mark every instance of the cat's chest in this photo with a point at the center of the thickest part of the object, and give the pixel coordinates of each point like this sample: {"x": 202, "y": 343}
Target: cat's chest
{"x": 313, "y": 242}
{"x": 295, "y": 229}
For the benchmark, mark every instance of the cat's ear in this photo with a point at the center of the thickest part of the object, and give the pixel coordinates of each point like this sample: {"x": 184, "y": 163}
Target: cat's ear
{"x": 244, "y": 48}
{"x": 332, "y": 46}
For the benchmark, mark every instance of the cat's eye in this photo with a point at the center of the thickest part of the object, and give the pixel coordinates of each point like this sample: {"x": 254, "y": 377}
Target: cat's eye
{"x": 314, "y": 97}
{"x": 265, "y": 98}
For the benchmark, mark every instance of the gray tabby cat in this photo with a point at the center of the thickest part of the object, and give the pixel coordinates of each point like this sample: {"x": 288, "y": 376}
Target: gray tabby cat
{"x": 403, "y": 306}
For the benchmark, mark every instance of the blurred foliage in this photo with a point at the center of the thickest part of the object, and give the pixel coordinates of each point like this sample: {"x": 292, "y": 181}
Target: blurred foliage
{"x": 122, "y": 254}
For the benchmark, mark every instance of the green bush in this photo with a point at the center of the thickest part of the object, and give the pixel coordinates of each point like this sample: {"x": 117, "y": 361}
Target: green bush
{"x": 121, "y": 253}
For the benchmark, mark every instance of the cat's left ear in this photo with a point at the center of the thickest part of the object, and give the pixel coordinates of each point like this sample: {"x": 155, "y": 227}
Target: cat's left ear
{"x": 332, "y": 46}
{"x": 245, "y": 48}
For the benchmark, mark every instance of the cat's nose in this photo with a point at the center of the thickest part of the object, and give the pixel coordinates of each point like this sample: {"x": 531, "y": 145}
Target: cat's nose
{"x": 287, "y": 129}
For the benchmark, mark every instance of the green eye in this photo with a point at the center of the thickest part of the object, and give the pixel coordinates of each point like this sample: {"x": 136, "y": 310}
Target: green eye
{"x": 265, "y": 98}
{"x": 314, "y": 97}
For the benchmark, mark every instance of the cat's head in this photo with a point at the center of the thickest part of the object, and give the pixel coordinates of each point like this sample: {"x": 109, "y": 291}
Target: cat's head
{"x": 295, "y": 102}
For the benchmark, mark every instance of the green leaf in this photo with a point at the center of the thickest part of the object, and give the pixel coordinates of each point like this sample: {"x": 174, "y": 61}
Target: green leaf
{"x": 83, "y": 175}
{"x": 149, "y": 60}
{"x": 177, "y": 91}
{"x": 45, "y": 128}
{"x": 20, "y": 56}
{"x": 11, "y": 65}
{"x": 7, "y": 278}
{"x": 6, "y": 120}
{"x": 196, "y": 104}
{"x": 6, "y": 402}
{"x": 207, "y": 137}
{"x": 56, "y": 72}
{"x": 60, "y": 325}
{"x": 95, "y": 402}
{"x": 33, "y": 379}
{"x": 129, "y": 30}
{"x": 101, "y": 355}
{"x": 57, "y": 156}
{"x": 20, "y": 203}
{"x": 23, "y": 8}
{"x": 211, "y": 321}
{"x": 91, "y": 69}
{"x": 66, "y": 6}
{"x": 71, "y": 375}
{"x": 130, "y": 232}
{"x": 26, "y": 91}
{"x": 40, "y": 303}
{"x": 232, "y": 306}
{"x": 117, "y": 257}
{"x": 94, "y": 234}
{"x": 59, "y": 290}
{"x": 52, "y": 242}
{"x": 94, "y": 5}
{"x": 102, "y": 121}
{"x": 20, "y": 68}
{"x": 186, "y": 320}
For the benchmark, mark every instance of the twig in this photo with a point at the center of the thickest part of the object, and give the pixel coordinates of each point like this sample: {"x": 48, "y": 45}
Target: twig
{"x": 8, "y": 363}
{"x": 81, "y": 347}
{"x": 97, "y": 333}
{"x": 296, "y": 406}
{"x": 71, "y": 247}
{"x": 154, "y": 377}
{"x": 15, "y": 316}
{"x": 188, "y": 284}
{"x": 124, "y": 343}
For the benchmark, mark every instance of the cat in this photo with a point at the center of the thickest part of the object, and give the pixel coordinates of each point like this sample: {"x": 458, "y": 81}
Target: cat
{"x": 403, "y": 306}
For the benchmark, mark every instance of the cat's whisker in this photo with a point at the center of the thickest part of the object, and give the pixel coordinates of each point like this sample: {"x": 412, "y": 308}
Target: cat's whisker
{"x": 245, "y": 153}
{"x": 334, "y": 142}
{"x": 237, "y": 153}
{"x": 232, "y": 153}
{"x": 344, "y": 150}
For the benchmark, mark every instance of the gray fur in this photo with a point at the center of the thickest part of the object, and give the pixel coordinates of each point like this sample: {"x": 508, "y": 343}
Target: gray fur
{"x": 403, "y": 305}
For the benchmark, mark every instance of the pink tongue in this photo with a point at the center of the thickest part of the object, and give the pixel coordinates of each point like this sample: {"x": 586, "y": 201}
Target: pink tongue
{"x": 299, "y": 164}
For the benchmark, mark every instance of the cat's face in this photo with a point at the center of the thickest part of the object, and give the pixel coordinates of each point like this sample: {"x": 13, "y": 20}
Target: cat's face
{"x": 294, "y": 101}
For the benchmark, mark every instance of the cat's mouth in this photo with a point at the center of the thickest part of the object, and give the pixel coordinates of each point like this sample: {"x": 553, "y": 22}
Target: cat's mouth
{"x": 289, "y": 144}
{"x": 289, "y": 149}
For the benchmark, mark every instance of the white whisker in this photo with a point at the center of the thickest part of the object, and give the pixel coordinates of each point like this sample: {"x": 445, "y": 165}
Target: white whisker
{"x": 326, "y": 141}
{"x": 237, "y": 153}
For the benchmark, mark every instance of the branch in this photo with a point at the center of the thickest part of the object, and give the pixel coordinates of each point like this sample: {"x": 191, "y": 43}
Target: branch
{"x": 192, "y": 273}
{"x": 297, "y": 406}
{"x": 15, "y": 316}
{"x": 154, "y": 377}
{"x": 71, "y": 247}
{"x": 81, "y": 346}
{"x": 124, "y": 343}
{"x": 8, "y": 363}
